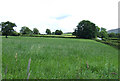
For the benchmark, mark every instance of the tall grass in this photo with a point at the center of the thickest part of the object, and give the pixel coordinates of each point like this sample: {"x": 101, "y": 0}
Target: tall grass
{"x": 0, "y": 58}
{"x": 59, "y": 58}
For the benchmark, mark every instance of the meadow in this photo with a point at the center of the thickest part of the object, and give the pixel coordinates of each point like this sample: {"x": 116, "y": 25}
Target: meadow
{"x": 0, "y": 58}
{"x": 58, "y": 58}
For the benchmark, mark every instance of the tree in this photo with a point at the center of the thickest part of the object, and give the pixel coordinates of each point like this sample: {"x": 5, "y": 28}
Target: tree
{"x": 112, "y": 35}
{"x": 103, "y": 33}
{"x": 7, "y": 28}
{"x": 0, "y": 33}
{"x": 53, "y": 33}
{"x": 35, "y": 31}
{"x": 58, "y": 32}
{"x": 74, "y": 33}
{"x": 25, "y": 30}
{"x": 86, "y": 29}
{"x": 48, "y": 31}
{"x": 15, "y": 33}
{"x": 98, "y": 31}
{"x": 103, "y": 29}
{"x": 118, "y": 35}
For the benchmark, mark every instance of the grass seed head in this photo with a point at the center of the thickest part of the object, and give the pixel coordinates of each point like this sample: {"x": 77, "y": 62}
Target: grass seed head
{"x": 87, "y": 65}
{"x": 16, "y": 56}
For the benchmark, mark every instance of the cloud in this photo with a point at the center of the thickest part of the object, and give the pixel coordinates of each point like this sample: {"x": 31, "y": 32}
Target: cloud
{"x": 59, "y": 14}
{"x": 62, "y": 17}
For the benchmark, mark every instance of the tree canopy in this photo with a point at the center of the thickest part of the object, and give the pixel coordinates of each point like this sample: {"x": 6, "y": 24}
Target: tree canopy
{"x": 103, "y": 33}
{"x": 112, "y": 35}
{"x": 86, "y": 29}
{"x": 7, "y": 28}
{"x": 58, "y": 32}
{"x": 35, "y": 31}
{"x": 48, "y": 31}
{"x": 53, "y": 33}
{"x": 25, "y": 30}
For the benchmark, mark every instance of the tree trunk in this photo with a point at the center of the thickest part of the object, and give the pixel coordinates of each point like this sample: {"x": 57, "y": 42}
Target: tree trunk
{"x": 6, "y": 36}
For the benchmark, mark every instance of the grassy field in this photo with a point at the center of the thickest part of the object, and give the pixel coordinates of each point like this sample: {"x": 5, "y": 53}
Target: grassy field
{"x": 70, "y": 34}
{"x": 58, "y": 58}
{"x": 55, "y": 36}
{"x": 0, "y": 58}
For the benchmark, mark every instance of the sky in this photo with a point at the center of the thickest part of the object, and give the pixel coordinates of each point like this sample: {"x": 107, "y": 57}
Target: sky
{"x": 59, "y": 14}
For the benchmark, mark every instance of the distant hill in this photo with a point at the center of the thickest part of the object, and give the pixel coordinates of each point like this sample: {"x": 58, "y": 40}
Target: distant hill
{"x": 114, "y": 30}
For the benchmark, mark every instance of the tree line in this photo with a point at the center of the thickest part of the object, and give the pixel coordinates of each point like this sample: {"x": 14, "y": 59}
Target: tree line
{"x": 88, "y": 30}
{"x": 7, "y": 29}
{"x": 85, "y": 29}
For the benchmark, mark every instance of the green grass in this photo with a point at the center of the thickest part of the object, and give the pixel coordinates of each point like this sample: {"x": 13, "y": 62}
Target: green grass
{"x": 0, "y": 58}
{"x": 68, "y": 34}
{"x": 115, "y": 42}
{"x": 58, "y": 58}
{"x": 55, "y": 36}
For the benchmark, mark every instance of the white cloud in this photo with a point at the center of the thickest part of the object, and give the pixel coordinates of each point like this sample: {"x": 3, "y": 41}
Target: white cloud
{"x": 42, "y": 14}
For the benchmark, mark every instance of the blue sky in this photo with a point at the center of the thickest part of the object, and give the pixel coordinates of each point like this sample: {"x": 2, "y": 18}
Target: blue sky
{"x": 59, "y": 14}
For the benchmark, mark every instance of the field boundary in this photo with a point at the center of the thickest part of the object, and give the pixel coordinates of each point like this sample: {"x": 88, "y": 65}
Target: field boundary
{"x": 115, "y": 45}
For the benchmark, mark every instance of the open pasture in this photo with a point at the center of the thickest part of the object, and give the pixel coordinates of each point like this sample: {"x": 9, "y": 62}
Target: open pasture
{"x": 58, "y": 58}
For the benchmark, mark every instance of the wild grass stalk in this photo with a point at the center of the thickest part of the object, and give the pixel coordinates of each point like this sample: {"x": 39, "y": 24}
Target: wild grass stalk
{"x": 28, "y": 76}
{"x": 6, "y": 72}
{"x": 28, "y": 68}
{"x": 16, "y": 56}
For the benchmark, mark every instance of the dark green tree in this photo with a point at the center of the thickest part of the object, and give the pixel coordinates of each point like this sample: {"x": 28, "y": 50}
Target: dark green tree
{"x": 103, "y": 29}
{"x": 15, "y": 33}
{"x": 112, "y": 35}
{"x": 58, "y": 32}
{"x": 118, "y": 35}
{"x": 98, "y": 31}
{"x": 48, "y": 31}
{"x": 0, "y": 33}
{"x": 53, "y": 33}
{"x": 7, "y": 28}
{"x": 25, "y": 30}
{"x": 103, "y": 33}
{"x": 35, "y": 31}
{"x": 75, "y": 32}
{"x": 86, "y": 29}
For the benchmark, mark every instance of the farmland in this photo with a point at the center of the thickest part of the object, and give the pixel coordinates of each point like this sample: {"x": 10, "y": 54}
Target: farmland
{"x": 58, "y": 58}
{"x": 0, "y": 58}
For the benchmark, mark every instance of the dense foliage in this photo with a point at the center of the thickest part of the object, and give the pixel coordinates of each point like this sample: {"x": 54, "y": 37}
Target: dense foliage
{"x": 53, "y": 33}
{"x": 86, "y": 29}
{"x": 48, "y": 31}
{"x": 114, "y": 35}
{"x": 25, "y": 30}
{"x": 103, "y": 33}
{"x": 58, "y": 32}
{"x": 7, "y": 28}
{"x": 35, "y": 31}
{"x": 15, "y": 33}
{"x": 114, "y": 42}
